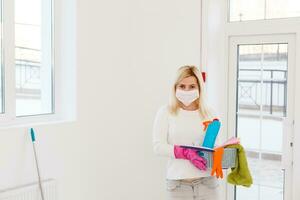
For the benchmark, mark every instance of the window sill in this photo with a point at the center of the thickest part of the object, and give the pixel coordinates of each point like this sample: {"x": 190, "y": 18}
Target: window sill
{"x": 32, "y": 121}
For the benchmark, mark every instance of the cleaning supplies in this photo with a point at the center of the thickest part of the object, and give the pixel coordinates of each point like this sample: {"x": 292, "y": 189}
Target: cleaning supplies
{"x": 191, "y": 155}
{"x": 212, "y": 128}
{"x": 211, "y": 133}
{"x": 229, "y": 154}
{"x": 240, "y": 174}
{"x": 217, "y": 162}
{"x": 36, "y": 162}
{"x": 207, "y": 122}
{"x": 218, "y": 156}
{"x": 232, "y": 140}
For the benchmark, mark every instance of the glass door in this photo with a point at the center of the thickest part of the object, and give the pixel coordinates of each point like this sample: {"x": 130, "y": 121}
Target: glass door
{"x": 260, "y": 103}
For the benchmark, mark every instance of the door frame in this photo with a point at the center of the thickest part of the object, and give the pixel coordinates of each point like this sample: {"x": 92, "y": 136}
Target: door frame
{"x": 233, "y": 42}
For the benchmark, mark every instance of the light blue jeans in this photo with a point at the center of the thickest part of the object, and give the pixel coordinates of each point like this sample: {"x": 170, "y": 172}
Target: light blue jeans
{"x": 204, "y": 188}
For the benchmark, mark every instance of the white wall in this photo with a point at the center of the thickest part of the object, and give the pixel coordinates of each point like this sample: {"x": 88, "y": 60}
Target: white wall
{"x": 128, "y": 52}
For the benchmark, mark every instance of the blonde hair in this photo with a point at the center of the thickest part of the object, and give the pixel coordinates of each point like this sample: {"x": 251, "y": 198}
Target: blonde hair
{"x": 184, "y": 72}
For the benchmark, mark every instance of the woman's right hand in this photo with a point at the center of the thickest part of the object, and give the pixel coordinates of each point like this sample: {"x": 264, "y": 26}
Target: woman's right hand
{"x": 190, "y": 154}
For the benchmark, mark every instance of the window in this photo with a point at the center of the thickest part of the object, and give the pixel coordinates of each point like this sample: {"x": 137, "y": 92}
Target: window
{"x": 33, "y": 57}
{"x": 261, "y": 103}
{"x": 244, "y": 10}
{"x": 37, "y": 72}
{"x": 261, "y": 99}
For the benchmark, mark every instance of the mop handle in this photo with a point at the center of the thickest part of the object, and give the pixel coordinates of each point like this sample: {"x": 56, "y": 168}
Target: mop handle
{"x": 32, "y": 135}
{"x": 36, "y": 162}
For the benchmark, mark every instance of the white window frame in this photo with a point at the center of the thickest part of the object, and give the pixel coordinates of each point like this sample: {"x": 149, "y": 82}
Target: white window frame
{"x": 232, "y": 70}
{"x": 63, "y": 67}
{"x": 217, "y": 12}
{"x": 228, "y": 16}
{"x": 270, "y": 27}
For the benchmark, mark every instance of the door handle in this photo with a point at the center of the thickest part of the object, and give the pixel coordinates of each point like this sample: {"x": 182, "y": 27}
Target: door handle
{"x": 287, "y": 143}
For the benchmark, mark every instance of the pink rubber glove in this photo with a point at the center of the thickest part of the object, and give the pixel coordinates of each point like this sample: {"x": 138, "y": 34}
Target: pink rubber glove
{"x": 232, "y": 140}
{"x": 190, "y": 154}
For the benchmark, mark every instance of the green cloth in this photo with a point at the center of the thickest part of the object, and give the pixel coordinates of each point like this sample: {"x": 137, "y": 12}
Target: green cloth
{"x": 240, "y": 174}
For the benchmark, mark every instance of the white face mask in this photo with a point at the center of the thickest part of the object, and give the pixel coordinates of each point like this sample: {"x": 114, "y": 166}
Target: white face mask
{"x": 187, "y": 97}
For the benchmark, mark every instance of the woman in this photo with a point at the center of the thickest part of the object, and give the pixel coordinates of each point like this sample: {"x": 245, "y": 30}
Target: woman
{"x": 180, "y": 123}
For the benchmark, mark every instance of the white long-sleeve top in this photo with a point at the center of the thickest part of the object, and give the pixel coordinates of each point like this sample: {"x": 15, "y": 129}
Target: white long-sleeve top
{"x": 186, "y": 128}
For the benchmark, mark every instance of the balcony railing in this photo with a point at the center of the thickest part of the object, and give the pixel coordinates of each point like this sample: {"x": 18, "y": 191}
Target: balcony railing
{"x": 28, "y": 68}
{"x": 273, "y": 94}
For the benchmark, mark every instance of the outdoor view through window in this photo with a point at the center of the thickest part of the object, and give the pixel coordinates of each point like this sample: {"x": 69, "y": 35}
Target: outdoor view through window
{"x": 33, "y": 57}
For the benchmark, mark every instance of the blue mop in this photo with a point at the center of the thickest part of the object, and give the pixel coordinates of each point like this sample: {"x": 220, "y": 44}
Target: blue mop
{"x": 36, "y": 162}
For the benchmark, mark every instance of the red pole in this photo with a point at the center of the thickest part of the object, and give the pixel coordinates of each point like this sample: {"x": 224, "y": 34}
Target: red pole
{"x": 203, "y": 76}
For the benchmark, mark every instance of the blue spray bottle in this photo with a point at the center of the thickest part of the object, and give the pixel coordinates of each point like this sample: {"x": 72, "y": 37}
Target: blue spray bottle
{"x": 211, "y": 133}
